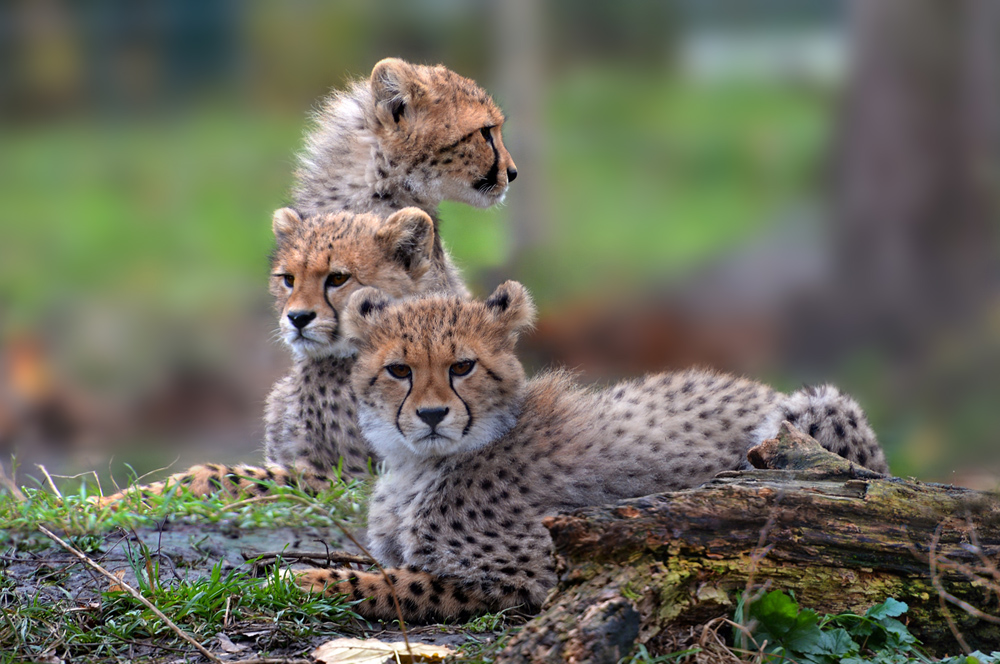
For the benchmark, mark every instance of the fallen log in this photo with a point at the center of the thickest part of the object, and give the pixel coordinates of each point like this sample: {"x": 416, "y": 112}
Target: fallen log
{"x": 839, "y": 536}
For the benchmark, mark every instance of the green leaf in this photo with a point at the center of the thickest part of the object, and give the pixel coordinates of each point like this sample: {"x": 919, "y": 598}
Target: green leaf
{"x": 890, "y": 608}
{"x": 899, "y": 634}
{"x": 776, "y": 612}
{"x": 782, "y": 625}
{"x": 838, "y": 643}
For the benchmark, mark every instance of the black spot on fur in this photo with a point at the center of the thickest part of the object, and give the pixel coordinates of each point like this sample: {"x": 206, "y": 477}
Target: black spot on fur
{"x": 499, "y": 302}
{"x": 368, "y": 307}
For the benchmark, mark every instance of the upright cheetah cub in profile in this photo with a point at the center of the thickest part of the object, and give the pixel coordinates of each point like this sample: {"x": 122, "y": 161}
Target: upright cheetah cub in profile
{"x": 410, "y": 135}
{"x": 477, "y": 454}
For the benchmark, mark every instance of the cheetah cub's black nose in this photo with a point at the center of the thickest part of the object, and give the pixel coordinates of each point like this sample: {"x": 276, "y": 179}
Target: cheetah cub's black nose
{"x": 301, "y": 318}
{"x": 432, "y": 416}
{"x": 511, "y": 174}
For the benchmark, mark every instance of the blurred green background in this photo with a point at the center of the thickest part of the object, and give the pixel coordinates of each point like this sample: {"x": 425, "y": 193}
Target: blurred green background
{"x": 681, "y": 200}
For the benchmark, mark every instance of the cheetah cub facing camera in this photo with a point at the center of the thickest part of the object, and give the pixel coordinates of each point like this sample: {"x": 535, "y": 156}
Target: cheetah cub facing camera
{"x": 477, "y": 455}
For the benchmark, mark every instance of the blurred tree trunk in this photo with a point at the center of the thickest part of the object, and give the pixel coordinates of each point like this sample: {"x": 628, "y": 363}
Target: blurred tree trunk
{"x": 521, "y": 68}
{"x": 914, "y": 178}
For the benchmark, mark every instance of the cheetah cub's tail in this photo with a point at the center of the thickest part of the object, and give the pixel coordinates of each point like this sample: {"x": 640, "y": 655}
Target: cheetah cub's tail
{"x": 237, "y": 481}
{"x": 834, "y": 419}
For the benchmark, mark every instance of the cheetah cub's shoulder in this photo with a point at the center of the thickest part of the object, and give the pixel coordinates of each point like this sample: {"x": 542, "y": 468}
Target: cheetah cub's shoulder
{"x": 477, "y": 454}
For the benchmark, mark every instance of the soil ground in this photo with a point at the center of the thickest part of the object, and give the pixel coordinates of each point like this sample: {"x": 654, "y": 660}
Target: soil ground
{"x": 36, "y": 567}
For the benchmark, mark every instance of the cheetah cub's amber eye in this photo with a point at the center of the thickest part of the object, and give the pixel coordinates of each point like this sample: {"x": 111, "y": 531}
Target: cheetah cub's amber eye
{"x": 289, "y": 280}
{"x": 485, "y": 131}
{"x": 336, "y": 280}
{"x": 462, "y": 368}
{"x": 398, "y": 370}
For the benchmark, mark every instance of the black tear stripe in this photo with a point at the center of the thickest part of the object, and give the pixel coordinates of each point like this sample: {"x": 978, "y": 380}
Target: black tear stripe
{"x": 489, "y": 180}
{"x": 468, "y": 411}
{"x": 403, "y": 403}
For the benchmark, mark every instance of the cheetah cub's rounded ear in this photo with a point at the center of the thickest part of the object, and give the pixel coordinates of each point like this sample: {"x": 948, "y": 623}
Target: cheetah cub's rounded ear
{"x": 393, "y": 83}
{"x": 285, "y": 222}
{"x": 408, "y": 237}
{"x": 363, "y": 310}
{"x": 510, "y": 305}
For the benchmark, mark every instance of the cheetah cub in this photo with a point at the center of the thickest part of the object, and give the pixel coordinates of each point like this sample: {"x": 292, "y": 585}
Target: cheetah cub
{"x": 477, "y": 455}
{"x": 410, "y": 135}
{"x": 310, "y": 417}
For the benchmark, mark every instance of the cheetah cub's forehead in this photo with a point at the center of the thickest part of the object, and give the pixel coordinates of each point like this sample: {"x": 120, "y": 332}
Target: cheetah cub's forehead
{"x": 451, "y": 97}
{"x": 318, "y": 261}
{"x": 439, "y": 321}
{"x": 437, "y": 375}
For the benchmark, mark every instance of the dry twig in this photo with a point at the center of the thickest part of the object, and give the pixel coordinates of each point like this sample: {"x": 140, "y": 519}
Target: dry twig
{"x": 131, "y": 591}
{"x": 48, "y": 478}
{"x": 310, "y": 556}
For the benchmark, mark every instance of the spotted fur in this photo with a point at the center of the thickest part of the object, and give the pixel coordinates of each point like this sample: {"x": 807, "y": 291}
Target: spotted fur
{"x": 477, "y": 454}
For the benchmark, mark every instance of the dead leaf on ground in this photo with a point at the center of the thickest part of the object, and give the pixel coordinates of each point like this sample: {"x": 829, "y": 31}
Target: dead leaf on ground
{"x": 227, "y": 644}
{"x": 114, "y": 587}
{"x": 373, "y": 651}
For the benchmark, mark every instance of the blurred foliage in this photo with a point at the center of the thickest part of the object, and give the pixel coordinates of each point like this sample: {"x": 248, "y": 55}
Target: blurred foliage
{"x": 652, "y": 174}
{"x": 178, "y": 213}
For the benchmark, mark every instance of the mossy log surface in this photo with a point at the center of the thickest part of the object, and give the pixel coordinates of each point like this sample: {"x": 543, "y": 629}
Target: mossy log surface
{"x": 841, "y": 537}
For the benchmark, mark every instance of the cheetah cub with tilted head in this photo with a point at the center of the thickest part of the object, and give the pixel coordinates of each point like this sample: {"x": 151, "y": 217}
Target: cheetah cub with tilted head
{"x": 477, "y": 455}
{"x": 311, "y": 413}
{"x": 410, "y": 135}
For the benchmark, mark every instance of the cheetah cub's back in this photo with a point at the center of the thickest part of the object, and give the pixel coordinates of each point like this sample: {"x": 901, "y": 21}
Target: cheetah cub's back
{"x": 477, "y": 454}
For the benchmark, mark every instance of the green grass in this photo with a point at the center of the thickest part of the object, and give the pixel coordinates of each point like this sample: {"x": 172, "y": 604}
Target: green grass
{"x": 202, "y": 602}
{"x": 202, "y": 608}
{"x": 75, "y": 515}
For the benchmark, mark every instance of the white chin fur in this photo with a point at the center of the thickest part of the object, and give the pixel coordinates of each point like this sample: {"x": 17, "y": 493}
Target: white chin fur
{"x": 392, "y": 445}
{"x": 303, "y": 347}
{"x": 484, "y": 200}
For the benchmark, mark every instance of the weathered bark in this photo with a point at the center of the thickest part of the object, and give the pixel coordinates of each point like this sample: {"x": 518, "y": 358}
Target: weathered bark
{"x": 839, "y": 536}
